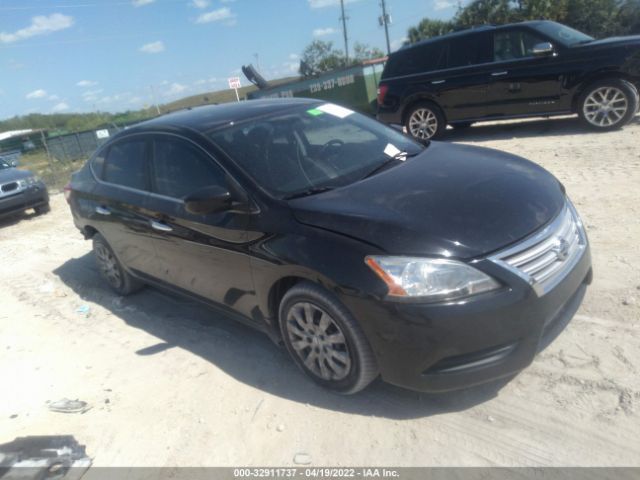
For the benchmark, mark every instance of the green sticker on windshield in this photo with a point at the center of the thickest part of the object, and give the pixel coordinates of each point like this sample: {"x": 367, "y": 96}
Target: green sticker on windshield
{"x": 315, "y": 112}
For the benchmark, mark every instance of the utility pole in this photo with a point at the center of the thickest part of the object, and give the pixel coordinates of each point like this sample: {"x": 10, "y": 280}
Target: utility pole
{"x": 344, "y": 19}
{"x": 385, "y": 20}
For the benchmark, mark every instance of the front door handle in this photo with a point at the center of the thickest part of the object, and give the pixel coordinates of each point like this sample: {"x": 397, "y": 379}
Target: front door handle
{"x": 161, "y": 226}
{"x": 499, "y": 74}
{"x": 102, "y": 210}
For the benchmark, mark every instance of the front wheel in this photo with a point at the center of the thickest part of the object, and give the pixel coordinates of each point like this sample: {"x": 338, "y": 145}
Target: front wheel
{"x": 425, "y": 121}
{"x": 608, "y": 104}
{"x": 325, "y": 341}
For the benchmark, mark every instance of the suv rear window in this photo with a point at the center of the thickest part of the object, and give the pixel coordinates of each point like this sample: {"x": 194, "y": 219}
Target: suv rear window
{"x": 419, "y": 59}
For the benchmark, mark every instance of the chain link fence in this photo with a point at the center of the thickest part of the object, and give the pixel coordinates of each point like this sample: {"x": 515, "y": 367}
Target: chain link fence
{"x": 55, "y": 158}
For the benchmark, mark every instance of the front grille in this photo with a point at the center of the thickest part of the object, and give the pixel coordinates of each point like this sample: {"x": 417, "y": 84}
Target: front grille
{"x": 546, "y": 258}
{"x": 10, "y": 187}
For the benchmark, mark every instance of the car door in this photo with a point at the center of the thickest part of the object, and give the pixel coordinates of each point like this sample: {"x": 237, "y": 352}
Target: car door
{"x": 521, "y": 82}
{"x": 463, "y": 82}
{"x": 199, "y": 254}
{"x": 117, "y": 203}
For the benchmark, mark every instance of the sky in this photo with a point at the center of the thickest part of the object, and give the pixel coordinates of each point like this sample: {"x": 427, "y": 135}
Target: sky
{"x": 116, "y": 55}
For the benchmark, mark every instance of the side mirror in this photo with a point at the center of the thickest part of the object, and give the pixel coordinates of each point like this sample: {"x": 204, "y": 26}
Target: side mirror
{"x": 543, "y": 49}
{"x": 208, "y": 200}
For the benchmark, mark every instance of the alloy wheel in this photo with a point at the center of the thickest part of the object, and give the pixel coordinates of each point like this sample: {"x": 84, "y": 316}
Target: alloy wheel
{"x": 318, "y": 341}
{"x": 423, "y": 124}
{"x": 109, "y": 266}
{"x": 605, "y": 106}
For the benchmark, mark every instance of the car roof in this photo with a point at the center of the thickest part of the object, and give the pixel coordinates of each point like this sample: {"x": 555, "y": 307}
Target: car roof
{"x": 468, "y": 31}
{"x": 208, "y": 117}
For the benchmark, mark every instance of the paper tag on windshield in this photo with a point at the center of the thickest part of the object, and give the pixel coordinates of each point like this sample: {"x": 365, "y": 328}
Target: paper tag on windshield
{"x": 391, "y": 150}
{"x": 335, "y": 110}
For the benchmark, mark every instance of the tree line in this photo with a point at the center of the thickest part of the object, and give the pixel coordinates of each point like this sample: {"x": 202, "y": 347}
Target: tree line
{"x": 598, "y": 18}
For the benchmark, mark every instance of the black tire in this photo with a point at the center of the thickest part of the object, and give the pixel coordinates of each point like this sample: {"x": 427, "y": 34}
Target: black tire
{"x": 461, "y": 125}
{"x": 601, "y": 111}
{"x": 42, "y": 209}
{"x": 323, "y": 355}
{"x": 418, "y": 118}
{"x": 111, "y": 269}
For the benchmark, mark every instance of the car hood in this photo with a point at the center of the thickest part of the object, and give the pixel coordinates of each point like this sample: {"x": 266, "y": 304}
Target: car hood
{"x": 629, "y": 39}
{"x": 13, "y": 174}
{"x": 451, "y": 200}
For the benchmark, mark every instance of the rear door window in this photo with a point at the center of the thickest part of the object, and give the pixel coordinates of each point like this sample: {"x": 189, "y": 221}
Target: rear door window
{"x": 467, "y": 50}
{"x": 126, "y": 164}
{"x": 420, "y": 59}
{"x": 514, "y": 44}
{"x": 180, "y": 168}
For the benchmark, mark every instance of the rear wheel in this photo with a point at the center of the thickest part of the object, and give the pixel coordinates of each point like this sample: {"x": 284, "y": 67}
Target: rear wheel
{"x": 608, "y": 104}
{"x": 425, "y": 121}
{"x": 111, "y": 269}
{"x": 325, "y": 341}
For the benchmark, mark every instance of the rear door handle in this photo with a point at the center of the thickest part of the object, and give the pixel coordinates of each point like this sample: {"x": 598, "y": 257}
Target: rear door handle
{"x": 437, "y": 82}
{"x": 161, "y": 226}
{"x": 499, "y": 74}
{"x": 103, "y": 210}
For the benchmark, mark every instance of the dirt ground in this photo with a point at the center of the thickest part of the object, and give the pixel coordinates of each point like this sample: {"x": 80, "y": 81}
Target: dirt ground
{"x": 171, "y": 383}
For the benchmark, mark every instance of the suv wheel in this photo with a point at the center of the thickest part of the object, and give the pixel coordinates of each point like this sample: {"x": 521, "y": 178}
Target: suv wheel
{"x": 608, "y": 104}
{"x": 325, "y": 341}
{"x": 111, "y": 269}
{"x": 425, "y": 121}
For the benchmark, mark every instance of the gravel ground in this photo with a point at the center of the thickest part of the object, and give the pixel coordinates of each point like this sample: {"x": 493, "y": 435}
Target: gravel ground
{"x": 171, "y": 383}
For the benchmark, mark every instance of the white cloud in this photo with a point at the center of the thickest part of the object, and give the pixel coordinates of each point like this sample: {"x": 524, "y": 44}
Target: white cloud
{"x": 223, "y": 13}
{"x": 174, "y": 89}
{"x": 294, "y": 56}
{"x": 86, "y": 83}
{"x": 200, "y": 3}
{"x": 322, "y": 32}
{"x": 153, "y": 47}
{"x": 91, "y": 95}
{"x": 398, "y": 42}
{"x": 327, "y": 3}
{"x": 141, "y": 3}
{"x": 53, "y": 98}
{"x": 60, "y": 107}
{"x": 40, "y": 25}
{"x": 444, "y": 4}
{"x": 37, "y": 94}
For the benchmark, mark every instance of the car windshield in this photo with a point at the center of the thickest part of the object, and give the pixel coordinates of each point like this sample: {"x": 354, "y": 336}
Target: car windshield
{"x": 312, "y": 148}
{"x": 563, "y": 34}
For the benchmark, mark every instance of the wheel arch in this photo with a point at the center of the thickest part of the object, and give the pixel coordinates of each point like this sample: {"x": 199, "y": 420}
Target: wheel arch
{"x": 414, "y": 100}
{"x": 599, "y": 77}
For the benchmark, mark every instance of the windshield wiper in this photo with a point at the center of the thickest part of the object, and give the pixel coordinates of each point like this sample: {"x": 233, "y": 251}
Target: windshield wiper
{"x": 400, "y": 156}
{"x": 308, "y": 192}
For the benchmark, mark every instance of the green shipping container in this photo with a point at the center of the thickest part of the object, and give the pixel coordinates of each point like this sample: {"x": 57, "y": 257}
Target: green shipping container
{"x": 354, "y": 87}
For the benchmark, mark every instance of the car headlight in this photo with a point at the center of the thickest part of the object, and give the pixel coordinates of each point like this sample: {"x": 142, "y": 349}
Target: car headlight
{"x": 430, "y": 279}
{"x": 28, "y": 182}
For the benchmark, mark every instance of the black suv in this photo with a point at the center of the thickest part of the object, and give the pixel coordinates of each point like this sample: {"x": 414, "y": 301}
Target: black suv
{"x": 526, "y": 69}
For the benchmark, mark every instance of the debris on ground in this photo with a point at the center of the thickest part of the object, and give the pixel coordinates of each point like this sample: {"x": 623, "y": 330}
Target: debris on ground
{"x": 69, "y": 406}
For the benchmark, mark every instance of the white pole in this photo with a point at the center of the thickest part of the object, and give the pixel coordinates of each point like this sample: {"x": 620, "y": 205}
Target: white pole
{"x": 237, "y": 96}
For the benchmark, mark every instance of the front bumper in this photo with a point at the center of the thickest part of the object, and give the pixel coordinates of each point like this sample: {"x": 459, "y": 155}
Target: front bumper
{"x": 441, "y": 347}
{"x": 30, "y": 197}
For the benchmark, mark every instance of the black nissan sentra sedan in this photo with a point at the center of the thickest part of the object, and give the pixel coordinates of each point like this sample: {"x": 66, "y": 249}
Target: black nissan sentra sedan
{"x": 366, "y": 253}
